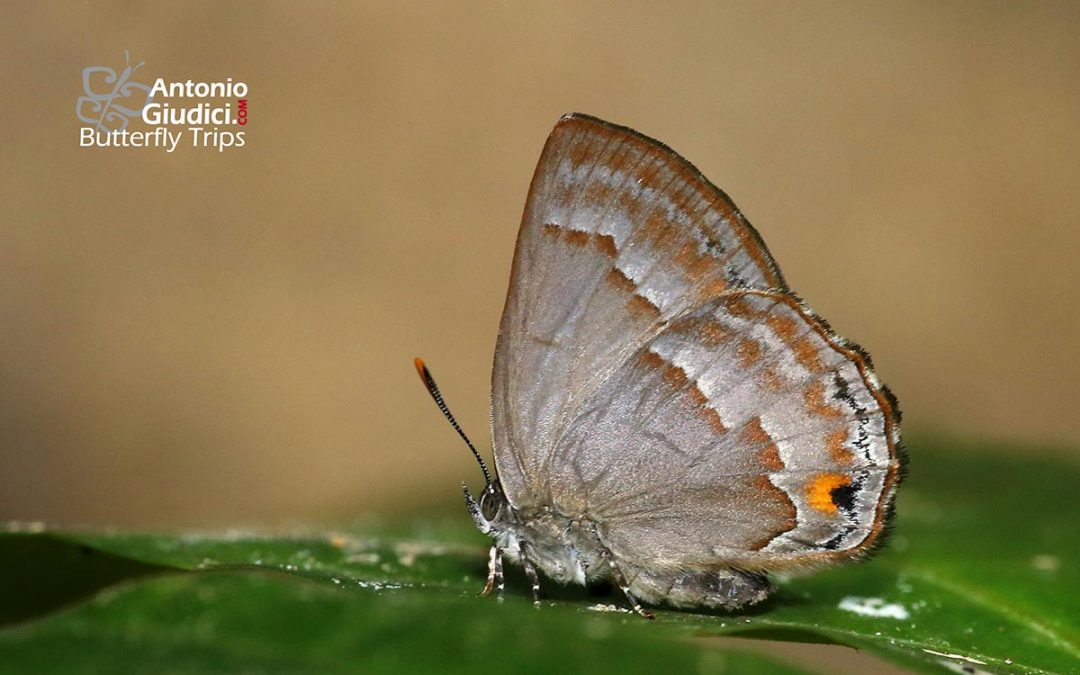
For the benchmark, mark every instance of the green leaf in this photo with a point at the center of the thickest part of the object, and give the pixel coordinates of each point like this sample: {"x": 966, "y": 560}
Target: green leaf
{"x": 980, "y": 573}
{"x": 228, "y": 622}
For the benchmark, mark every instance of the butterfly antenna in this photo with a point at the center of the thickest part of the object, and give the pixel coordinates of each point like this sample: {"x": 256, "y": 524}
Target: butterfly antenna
{"x": 433, "y": 389}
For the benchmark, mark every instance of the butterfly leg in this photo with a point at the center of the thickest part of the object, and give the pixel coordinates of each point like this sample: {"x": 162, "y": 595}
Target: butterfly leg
{"x": 495, "y": 573}
{"x": 530, "y": 571}
{"x": 619, "y": 578}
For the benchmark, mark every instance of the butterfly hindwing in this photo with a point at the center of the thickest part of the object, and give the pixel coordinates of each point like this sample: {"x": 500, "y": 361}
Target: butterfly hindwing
{"x": 744, "y": 434}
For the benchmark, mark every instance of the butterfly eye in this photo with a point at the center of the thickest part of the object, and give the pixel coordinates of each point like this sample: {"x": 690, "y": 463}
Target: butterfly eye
{"x": 490, "y": 502}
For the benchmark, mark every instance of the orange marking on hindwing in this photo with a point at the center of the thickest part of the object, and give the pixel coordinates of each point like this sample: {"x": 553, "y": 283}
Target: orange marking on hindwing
{"x": 676, "y": 378}
{"x": 837, "y": 450}
{"x": 807, "y": 354}
{"x": 713, "y": 417}
{"x": 770, "y": 458}
{"x": 783, "y": 326}
{"x": 786, "y": 511}
{"x": 787, "y": 329}
{"x": 814, "y": 396}
{"x": 713, "y": 333}
{"x": 749, "y": 351}
{"x": 819, "y": 491}
{"x": 755, "y": 435}
{"x": 772, "y": 379}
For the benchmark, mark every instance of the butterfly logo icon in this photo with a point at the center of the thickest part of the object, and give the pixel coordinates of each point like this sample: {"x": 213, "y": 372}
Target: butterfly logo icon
{"x": 112, "y": 99}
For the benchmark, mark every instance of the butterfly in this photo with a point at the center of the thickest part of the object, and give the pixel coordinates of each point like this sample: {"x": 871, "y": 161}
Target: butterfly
{"x": 666, "y": 413}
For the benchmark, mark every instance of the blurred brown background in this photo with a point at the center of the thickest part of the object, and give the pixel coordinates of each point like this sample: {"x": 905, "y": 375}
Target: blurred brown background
{"x": 205, "y": 338}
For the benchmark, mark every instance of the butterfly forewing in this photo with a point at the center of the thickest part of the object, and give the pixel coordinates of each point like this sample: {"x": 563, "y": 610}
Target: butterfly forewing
{"x": 620, "y": 236}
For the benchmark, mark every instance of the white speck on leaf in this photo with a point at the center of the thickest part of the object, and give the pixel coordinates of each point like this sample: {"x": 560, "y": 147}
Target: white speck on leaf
{"x": 379, "y": 585}
{"x": 875, "y": 607}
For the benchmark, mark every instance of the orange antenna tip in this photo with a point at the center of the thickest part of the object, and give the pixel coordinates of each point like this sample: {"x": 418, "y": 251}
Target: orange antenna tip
{"x": 433, "y": 390}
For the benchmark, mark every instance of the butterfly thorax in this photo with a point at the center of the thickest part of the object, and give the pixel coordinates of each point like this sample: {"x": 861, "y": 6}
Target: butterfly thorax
{"x": 566, "y": 549}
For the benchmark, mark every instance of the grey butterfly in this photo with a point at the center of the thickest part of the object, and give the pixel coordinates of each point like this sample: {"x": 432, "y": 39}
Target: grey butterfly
{"x": 666, "y": 414}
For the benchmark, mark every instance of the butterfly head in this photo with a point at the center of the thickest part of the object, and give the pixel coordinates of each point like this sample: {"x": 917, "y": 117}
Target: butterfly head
{"x": 492, "y": 502}
{"x": 492, "y": 513}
